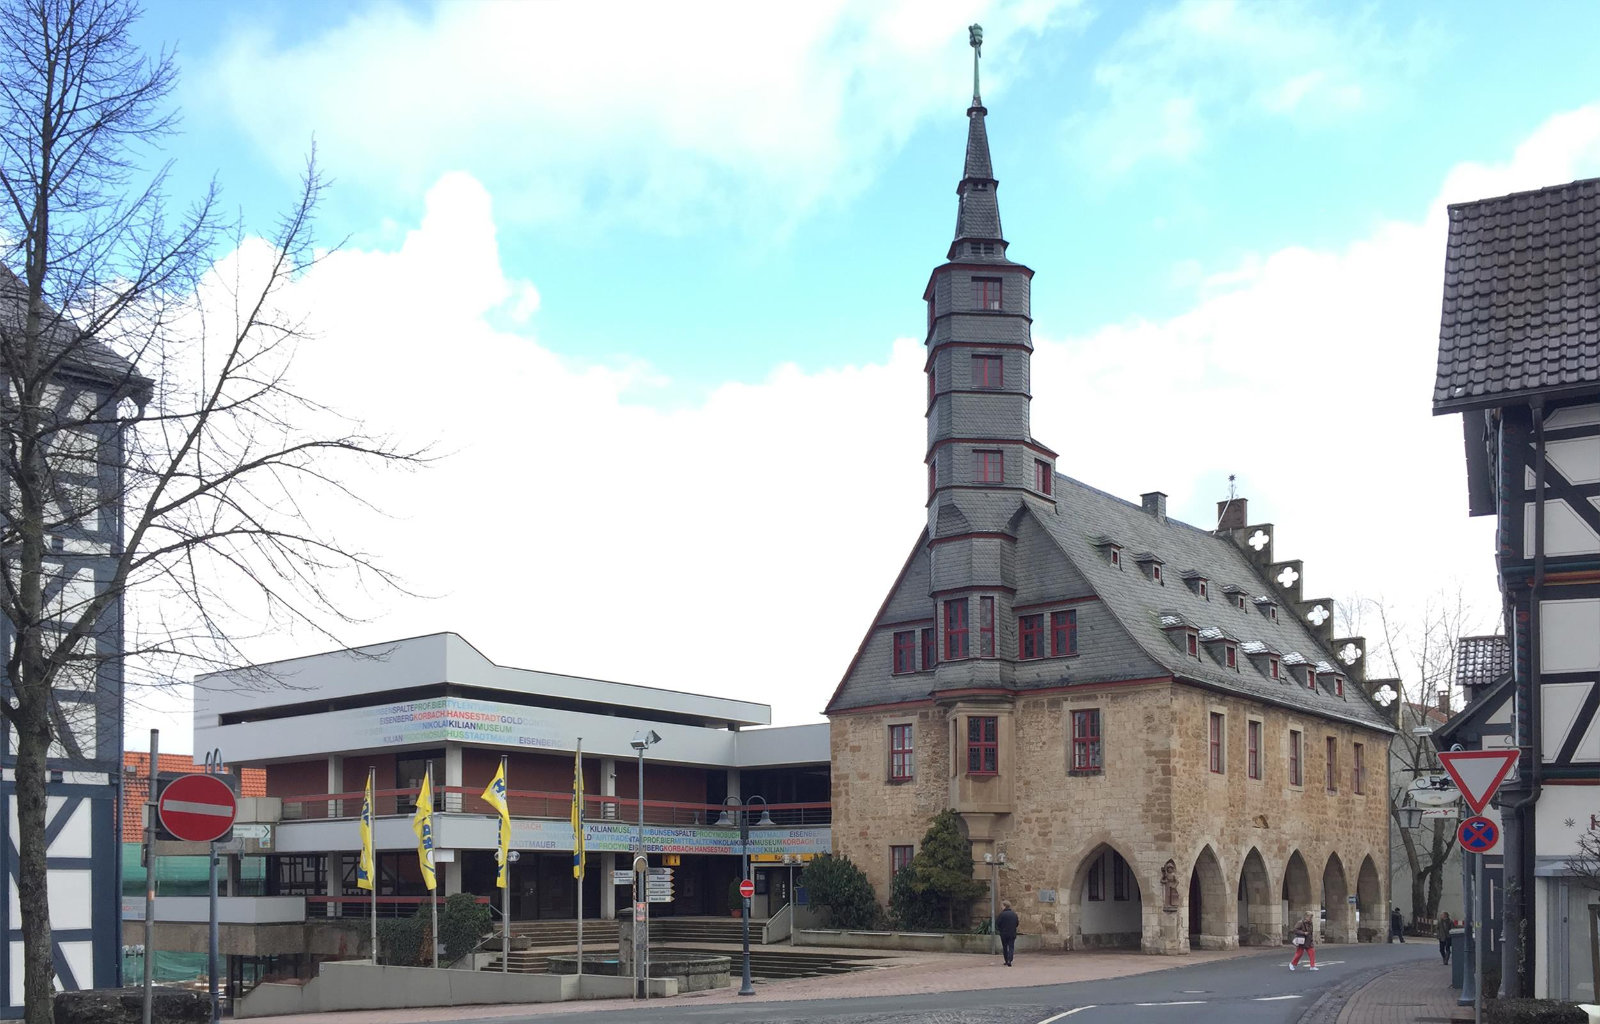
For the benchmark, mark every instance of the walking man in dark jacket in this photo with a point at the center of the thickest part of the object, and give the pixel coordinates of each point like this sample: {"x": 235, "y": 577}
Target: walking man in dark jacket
{"x": 1006, "y": 926}
{"x": 1397, "y": 926}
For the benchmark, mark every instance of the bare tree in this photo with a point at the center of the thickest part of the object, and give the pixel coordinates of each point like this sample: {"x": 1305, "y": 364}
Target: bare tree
{"x": 154, "y": 442}
{"x": 1585, "y": 868}
{"x": 1420, "y": 651}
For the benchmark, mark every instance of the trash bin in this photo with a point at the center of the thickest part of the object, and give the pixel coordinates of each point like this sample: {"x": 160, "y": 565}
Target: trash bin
{"x": 1458, "y": 957}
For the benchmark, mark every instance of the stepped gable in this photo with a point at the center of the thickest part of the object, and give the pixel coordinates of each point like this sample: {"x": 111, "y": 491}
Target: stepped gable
{"x": 1521, "y": 312}
{"x": 1086, "y": 515}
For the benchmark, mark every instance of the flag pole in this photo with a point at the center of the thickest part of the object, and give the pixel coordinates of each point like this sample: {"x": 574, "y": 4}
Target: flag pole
{"x": 577, "y": 845}
{"x": 505, "y": 884}
{"x": 372, "y": 829}
{"x": 433, "y": 890}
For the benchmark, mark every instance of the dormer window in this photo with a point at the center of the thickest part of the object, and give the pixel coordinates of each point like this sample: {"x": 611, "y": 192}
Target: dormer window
{"x": 986, "y": 292}
{"x": 1150, "y": 564}
{"x": 1197, "y": 583}
{"x": 1338, "y": 685}
{"x": 1042, "y": 477}
{"x": 1194, "y": 644}
{"x": 1311, "y": 677}
{"x": 1222, "y": 647}
{"x": 1155, "y": 571}
{"x": 1240, "y": 599}
{"x": 1113, "y": 550}
{"x": 1116, "y": 557}
{"x": 1273, "y": 669}
{"x": 1202, "y": 590}
{"x": 1230, "y": 657}
{"x": 1268, "y": 607}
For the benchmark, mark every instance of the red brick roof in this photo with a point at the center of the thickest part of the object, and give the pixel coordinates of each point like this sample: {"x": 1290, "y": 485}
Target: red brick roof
{"x": 135, "y": 780}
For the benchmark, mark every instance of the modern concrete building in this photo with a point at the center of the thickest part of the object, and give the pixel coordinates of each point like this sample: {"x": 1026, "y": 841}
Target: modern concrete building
{"x": 317, "y": 724}
{"x": 1154, "y": 722}
{"x": 1519, "y": 359}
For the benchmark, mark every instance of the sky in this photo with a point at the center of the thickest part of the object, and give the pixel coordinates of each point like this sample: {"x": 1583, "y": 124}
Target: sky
{"x": 649, "y": 281}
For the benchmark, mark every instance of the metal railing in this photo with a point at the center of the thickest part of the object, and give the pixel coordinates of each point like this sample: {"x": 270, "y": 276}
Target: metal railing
{"x": 536, "y": 804}
{"x": 361, "y": 906}
{"x": 779, "y": 926}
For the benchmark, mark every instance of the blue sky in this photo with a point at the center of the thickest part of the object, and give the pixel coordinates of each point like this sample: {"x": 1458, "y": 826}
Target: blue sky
{"x": 693, "y": 249}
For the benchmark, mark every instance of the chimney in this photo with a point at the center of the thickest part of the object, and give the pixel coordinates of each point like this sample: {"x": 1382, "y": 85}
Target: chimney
{"x": 1444, "y": 701}
{"x": 1155, "y": 503}
{"x": 1233, "y": 514}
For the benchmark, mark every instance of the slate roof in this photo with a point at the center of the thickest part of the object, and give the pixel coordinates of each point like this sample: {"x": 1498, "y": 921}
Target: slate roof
{"x": 1482, "y": 660}
{"x": 1146, "y": 609}
{"x": 1521, "y": 297}
{"x": 90, "y": 358}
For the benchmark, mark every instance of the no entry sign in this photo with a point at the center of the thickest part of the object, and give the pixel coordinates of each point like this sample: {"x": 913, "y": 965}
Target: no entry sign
{"x": 197, "y": 808}
{"x": 747, "y": 888}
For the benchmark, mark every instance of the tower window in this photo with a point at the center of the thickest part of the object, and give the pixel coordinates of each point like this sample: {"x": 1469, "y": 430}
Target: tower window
{"x": 955, "y": 629}
{"x": 988, "y": 372}
{"x": 986, "y": 292}
{"x": 985, "y": 627}
{"x": 1042, "y": 476}
{"x": 989, "y": 467}
{"x": 983, "y": 745}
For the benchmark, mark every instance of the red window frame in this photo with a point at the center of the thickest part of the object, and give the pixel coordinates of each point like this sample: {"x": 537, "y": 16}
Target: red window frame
{"x": 1332, "y": 772}
{"x": 988, "y": 372}
{"x": 988, "y": 292}
{"x": 1215, "y": 733}
{"x": 1241, "y": 602}
{"x": 983, "y": 745}
{"x": 1193, "y": 644}
{"x": 1272, "y": 663}
{"x": 1116, "y": 558}
{"x": 1230, "y": 656}
{"x": 1087, "y": 752}
{"x": 1041, "y": 477}
{"x": 900, "y": 858}
{"x": 1155, "y": 571}
{"x": 1253, "y": 749}
{"x": 905, "y": 651}
{"x": 1063, "y": 634}
{"x": 988, "y": 466}
{"x": 1358, "y": 781}
{"x": 1030, "y": 637}
{"x": 1202, "y": 590}
{"x": 955, "y": 629}
{"x": 1311, "y": 678}
{"x": 930, "y": 649}
{"x": 985, "y": 627}
{"x": 902, "y": 756}
{"x": 1338, "y": 686}
{"x": 1295, "y": 749}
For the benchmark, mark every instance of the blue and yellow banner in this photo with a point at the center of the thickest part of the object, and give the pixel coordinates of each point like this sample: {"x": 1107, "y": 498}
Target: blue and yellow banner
{"x": 422, "y": 825}
{"x": 495, "y": 796}
{"x": 577, "y": 815}
{"x": 365, "y": 871}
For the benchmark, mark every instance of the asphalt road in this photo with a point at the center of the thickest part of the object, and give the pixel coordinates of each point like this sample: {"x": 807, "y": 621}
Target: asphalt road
{"x": 1257, "y": 989}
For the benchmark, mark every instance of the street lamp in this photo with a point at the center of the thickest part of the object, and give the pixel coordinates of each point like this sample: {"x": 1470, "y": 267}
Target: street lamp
{"x": 641, "y": 742}
{"x": 741, "y": 807}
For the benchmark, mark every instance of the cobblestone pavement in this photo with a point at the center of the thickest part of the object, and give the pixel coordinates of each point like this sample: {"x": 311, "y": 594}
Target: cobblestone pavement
{"x": 1418, "y": 994}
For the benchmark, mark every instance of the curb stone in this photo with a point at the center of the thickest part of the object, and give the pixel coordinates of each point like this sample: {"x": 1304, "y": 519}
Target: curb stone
{"x": 1326, "y": 1010}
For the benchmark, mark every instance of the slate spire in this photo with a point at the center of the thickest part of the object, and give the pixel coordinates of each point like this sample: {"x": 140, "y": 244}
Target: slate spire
{"x": 978, "y": 216}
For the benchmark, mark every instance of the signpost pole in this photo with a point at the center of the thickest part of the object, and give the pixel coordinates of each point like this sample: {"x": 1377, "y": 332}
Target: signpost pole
{"x": 150, "y": 870}
{"x": 505, "y": 889}
{"x": 372, "y": 778}
{"x": 745, "y": 886}
{"x": 211, "y": 945}
{"x": 1477, "y": 937}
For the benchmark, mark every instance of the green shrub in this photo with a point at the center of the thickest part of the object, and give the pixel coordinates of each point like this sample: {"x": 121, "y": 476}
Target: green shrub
{"x": 840, "y": 890}
{"x": 403, "y": 941}
{"x": 941, "y": 871}
{"x": 463, "y": 922}
{"x": 1532, "y": 1011}
{"x": 910, "y": 910}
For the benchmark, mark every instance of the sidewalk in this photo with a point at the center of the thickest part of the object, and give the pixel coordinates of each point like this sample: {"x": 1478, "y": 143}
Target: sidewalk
{"x": 1406, "y": 995}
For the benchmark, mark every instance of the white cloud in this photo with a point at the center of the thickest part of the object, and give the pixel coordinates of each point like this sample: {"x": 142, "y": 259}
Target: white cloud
{"x": 644, "y": 113}
{"x": 741, "y": 546}
{"x": 1185, "y": 70}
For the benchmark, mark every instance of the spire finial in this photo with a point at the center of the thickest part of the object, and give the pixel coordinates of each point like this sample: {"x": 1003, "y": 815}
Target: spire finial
{"x": 975, "y": 36}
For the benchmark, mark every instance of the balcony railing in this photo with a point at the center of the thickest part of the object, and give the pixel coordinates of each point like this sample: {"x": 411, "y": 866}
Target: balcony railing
{"x": 534, "y": 804}
{"x": 361, "y": 906}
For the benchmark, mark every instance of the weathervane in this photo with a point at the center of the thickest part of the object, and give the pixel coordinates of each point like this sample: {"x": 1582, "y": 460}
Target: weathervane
{"x": 975, "y": 36}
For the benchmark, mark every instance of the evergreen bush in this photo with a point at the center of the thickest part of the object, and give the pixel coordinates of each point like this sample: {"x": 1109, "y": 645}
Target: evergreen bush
{"x": 840, "y": 890}
{"x": 463, "y": 922}
{"x": 941, "y": 871}
{"x": 1532, "y": 1011}
{"x": 402, "y": 941}
{"x": 910, "y": 910}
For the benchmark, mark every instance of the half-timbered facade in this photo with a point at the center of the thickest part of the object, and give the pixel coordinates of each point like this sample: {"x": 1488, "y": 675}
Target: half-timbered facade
{"x": 1152, "y": 724}
{"x": 1519, "y": 358}
{"x": 83, "y": 521}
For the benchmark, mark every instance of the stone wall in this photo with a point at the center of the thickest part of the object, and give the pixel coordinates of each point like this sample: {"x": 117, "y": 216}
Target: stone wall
{"x": 1235, "y": 843}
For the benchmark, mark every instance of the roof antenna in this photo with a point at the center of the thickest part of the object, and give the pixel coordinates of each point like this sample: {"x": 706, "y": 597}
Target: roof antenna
{"x": 1223, "y": 511}
{"x": 975, "y": 37}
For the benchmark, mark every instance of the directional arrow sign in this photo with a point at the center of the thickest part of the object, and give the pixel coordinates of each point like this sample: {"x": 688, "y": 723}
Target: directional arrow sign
{"x": 659, "y": 897}
{"x": 660, "y": 873}
{"x": 1478, "y": 773}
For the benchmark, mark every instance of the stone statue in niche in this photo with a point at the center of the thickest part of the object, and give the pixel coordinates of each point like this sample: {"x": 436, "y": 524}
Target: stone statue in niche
{"x": 1169, "y": 884}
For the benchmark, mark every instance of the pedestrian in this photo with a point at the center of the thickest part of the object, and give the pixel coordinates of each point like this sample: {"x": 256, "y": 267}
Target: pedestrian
{"x": 1445, "y": 924}
{"x": 1006, "y": 926}
{"x": 1397, "y": 926}
{"x": 1305, "y": 941}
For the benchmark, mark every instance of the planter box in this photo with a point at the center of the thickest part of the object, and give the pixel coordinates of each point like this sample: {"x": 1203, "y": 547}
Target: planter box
{"x": 924, "y": 942}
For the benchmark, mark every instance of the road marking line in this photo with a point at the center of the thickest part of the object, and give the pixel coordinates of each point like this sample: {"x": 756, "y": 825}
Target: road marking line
{"x": 1176, "y": 1002}
{"x": 1269, "y": 999}
{"x": 1059, "y": 1016}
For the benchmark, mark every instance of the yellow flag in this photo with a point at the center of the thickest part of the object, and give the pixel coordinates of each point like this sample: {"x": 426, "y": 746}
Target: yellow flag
{"x": 577, "y": 816}
{"x": 495, "y": 796}
{"x": 364, "y": 868}
{"x": 422, "y": 825}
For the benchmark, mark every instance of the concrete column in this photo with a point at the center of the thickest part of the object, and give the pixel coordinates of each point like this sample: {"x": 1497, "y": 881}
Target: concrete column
{"x": 733, "y": 782}
{"x": 452, "y": 776}
{"x": 452, "y": 874}
{"x": 335, "y": 785}
{"x": 608, "y": 892}
{"x": 233, "y": 864}
{"x": 335, "y": 883}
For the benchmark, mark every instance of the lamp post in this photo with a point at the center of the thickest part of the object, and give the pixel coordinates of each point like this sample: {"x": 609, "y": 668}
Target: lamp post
{"x": 641, "y": 742}
{"x": 741, "y": 807}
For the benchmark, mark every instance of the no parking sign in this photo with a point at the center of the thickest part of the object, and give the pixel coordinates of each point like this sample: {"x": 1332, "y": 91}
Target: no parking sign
{"x": 1478, "y": 835}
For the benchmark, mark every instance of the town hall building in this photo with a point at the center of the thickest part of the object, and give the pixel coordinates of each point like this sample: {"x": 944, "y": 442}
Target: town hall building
{"x": 1151, "y": 724}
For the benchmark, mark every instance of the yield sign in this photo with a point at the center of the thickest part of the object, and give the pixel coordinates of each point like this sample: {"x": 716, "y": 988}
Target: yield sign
{"x": 1478, "y": 773}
